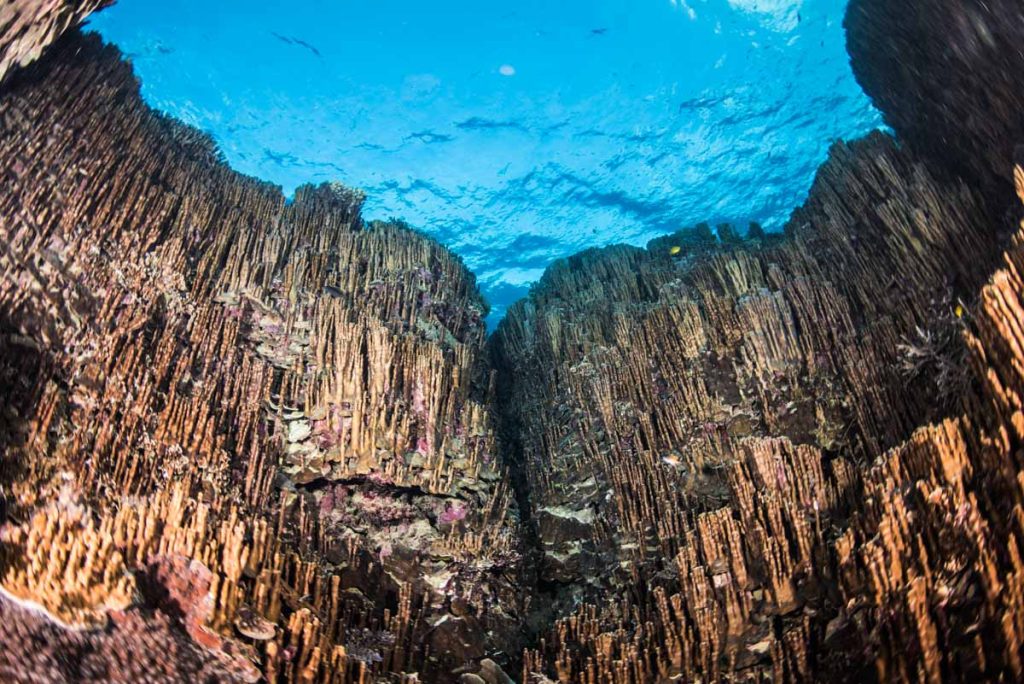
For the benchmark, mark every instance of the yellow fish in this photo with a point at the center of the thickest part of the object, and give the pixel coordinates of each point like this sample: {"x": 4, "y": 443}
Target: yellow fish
{"x": 675, "y": 250}
{"x": 959, "y": 311}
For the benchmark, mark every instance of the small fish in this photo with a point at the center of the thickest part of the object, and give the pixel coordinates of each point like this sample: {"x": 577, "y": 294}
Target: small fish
{"x": 295, "y": 41}
{"x": 309, "y": 47}
{"x": 672, "y": 459}
{"x": 959, "y": 311}
{"x": 675, "y": 249}
{"x": 599, "y": 31}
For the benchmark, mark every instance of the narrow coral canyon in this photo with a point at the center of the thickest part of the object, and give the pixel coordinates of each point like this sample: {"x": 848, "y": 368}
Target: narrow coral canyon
{"x": 251, "y": 439}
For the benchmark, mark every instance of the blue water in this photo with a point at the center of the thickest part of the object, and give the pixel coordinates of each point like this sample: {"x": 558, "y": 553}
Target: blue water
{"x": 515, "y": 133}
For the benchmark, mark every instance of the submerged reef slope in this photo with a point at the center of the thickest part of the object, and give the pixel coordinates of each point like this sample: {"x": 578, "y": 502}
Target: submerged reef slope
{"x": 243, "y": 439}
{"x": 709, "y": 418}
{"x": 295, "y": 403}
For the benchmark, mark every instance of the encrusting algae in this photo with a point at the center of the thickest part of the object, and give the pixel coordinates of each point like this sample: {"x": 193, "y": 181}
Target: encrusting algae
{"x": 245, "y": 440}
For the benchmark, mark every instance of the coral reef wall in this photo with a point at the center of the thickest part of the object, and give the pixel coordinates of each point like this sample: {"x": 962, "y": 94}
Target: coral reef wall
{"x": 209, "y": 386}
{"x": 703, "y": 425}
{"x": 690, "y": 415}
{"x": 930, "y": 571}
{"x": 244, "y": 439}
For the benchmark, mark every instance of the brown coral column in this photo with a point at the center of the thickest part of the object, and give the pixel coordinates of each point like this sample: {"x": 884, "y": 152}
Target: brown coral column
{"x": 295, "y": 401}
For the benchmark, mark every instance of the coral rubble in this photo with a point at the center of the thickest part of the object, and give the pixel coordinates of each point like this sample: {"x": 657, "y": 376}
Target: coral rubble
{"x": 246, "y": 439}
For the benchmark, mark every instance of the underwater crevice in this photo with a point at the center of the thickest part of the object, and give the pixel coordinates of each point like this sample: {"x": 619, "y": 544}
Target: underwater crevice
{"x": 705, "y": 459}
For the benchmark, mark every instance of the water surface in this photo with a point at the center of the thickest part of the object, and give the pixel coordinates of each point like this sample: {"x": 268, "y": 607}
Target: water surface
{"x": 515, "y": 133}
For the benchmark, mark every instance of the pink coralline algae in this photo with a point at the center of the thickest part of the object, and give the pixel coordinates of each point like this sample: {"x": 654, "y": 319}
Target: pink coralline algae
{"x": 328, "y": 502}
{"x": 419, "y": 406}
{"x": 380, "y": 479}
{"x": 452, "y": 514}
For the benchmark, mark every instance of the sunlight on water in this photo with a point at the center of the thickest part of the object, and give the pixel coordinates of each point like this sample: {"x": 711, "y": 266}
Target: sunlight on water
{"x": 514, "y": 133}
